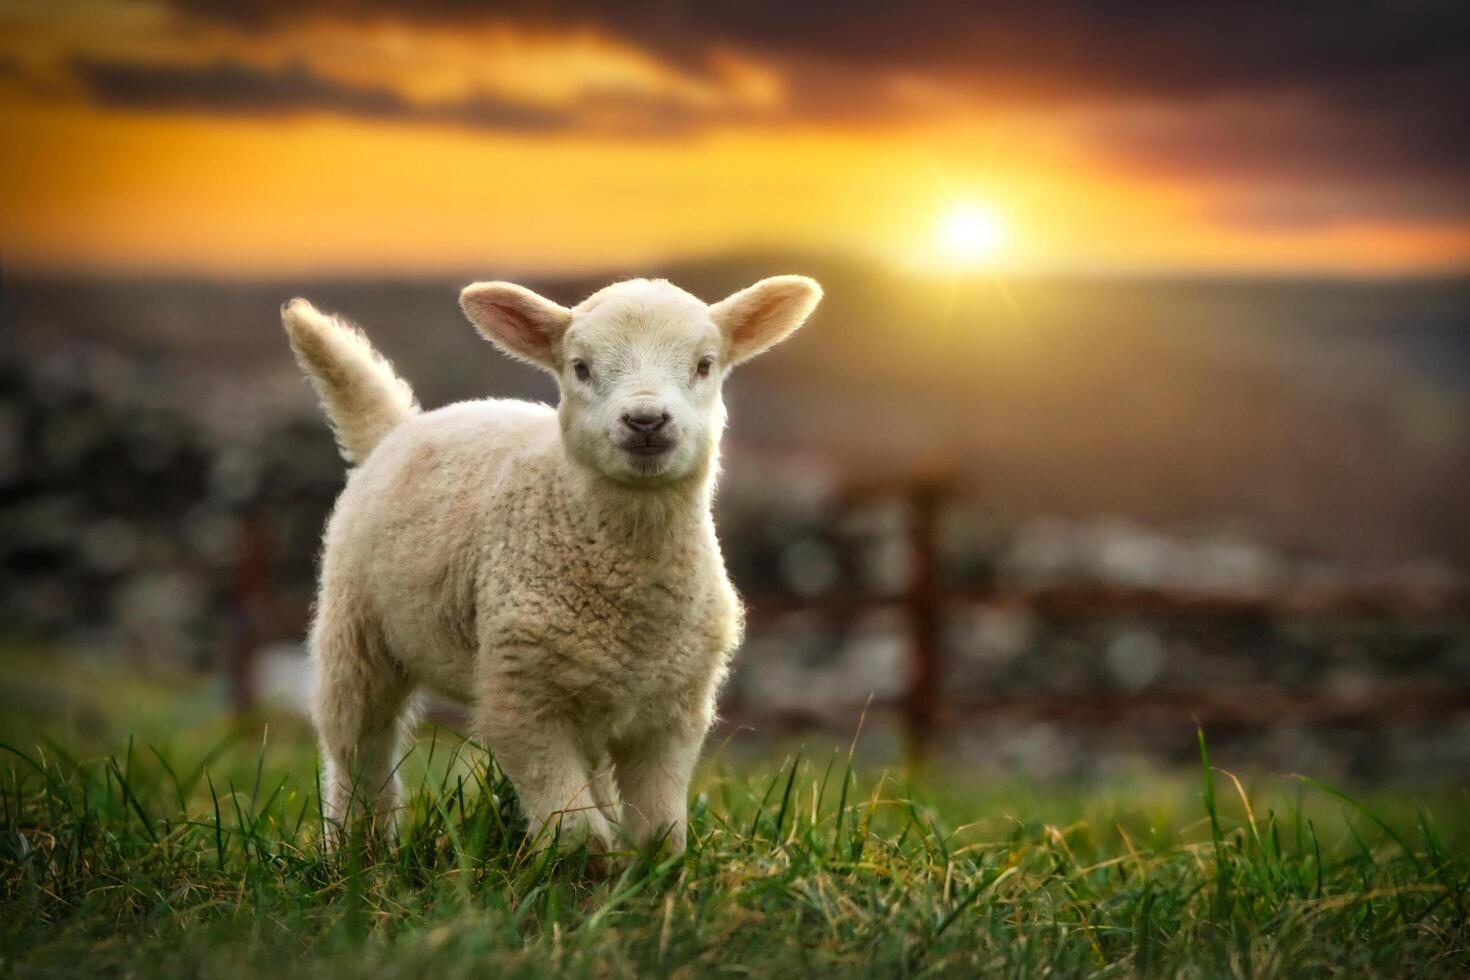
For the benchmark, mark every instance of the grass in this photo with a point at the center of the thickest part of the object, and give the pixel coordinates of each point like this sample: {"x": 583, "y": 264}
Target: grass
{"x": 203, "y": 858}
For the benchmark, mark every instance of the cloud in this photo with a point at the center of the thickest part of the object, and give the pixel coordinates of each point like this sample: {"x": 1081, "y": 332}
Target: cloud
{"x": 1045, "y": 48}
{"x": 235, "y": 87}
{"x": 1372, "y": 91}
{"x": 1379, "y": 130}
{"x": 1393, "y": 76}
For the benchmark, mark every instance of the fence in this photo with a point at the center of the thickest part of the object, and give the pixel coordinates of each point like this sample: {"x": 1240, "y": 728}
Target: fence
{"x": 925, "y": 709}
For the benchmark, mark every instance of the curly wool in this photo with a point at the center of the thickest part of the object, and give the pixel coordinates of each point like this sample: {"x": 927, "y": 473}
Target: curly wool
{"x": 582, "y": 611}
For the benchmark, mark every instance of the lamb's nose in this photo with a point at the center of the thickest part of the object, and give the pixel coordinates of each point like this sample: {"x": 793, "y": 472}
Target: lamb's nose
{"x": 645, "y": 421}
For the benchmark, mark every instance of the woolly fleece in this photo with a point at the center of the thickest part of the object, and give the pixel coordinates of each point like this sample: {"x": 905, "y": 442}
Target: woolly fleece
{"x": 556, "y": 569}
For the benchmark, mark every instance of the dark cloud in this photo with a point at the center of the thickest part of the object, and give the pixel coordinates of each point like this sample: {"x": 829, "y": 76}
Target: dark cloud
{"x": 1041, "y": 47}
{"x": 1402, "y": 128}
{"x": 226, "y": 86}
{"x": 240, "y": 88}
{"x": 1402, "y": 67}
{"x": 236, "y": 87}
{"x": 231, "y": 86}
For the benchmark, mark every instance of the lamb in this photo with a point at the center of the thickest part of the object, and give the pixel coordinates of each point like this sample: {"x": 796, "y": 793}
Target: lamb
{"x": 556, "y": 569}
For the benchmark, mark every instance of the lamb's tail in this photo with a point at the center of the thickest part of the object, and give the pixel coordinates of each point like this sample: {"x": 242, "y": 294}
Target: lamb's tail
{"x": 361, "y": 395}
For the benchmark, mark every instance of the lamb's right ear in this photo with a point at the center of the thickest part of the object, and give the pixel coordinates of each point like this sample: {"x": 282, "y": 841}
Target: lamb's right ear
{"x": 518, "y": 321}
{"x": 763, "y": 315}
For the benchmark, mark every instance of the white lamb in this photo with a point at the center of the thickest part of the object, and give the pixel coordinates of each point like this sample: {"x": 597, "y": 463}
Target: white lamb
{"x": 556, "y": 569}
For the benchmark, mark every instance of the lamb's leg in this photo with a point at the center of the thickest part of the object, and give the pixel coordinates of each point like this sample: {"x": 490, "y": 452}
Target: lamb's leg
{"x": 604, "y": 789}
{"x": 653, "y": 773}
{"x": 357, "y": 704}
{"x": 540, "y": 754}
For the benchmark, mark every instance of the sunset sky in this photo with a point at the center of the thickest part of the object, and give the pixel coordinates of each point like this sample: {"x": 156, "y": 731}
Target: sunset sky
{"x": 255, "y": 137}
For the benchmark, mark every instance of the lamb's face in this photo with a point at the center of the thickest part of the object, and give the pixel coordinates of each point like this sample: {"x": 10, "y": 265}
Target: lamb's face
{"x": 641, "y": 363}
{"x": 640, "y": 369}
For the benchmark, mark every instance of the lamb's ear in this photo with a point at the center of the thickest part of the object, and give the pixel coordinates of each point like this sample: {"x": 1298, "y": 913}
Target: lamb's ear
{"x": 765, "y": 314}
{"x": 518, "y": 321}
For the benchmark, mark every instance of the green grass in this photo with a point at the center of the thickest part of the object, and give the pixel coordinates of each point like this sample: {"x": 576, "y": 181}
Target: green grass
{"x": 202, "y": 857}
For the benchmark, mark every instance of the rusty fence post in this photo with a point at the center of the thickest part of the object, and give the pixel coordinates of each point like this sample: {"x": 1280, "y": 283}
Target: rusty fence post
{"x": 923, "y": 704}
{"x": 249, "y": 593}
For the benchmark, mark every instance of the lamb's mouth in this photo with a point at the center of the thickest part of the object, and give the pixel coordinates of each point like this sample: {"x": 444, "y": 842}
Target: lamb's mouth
{"x": 649, "y": 450}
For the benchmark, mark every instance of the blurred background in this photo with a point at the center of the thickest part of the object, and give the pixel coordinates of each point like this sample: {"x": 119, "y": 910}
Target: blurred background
{"x": 1140, "y": 396}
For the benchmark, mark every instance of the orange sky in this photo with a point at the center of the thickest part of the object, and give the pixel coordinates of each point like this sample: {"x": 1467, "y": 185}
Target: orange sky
{"x": 378, "y": 170}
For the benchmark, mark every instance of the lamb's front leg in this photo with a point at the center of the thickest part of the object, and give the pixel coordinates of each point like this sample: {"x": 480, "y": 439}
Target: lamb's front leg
{"x": 541, "y": 756}
{"x": 653, "y": 772}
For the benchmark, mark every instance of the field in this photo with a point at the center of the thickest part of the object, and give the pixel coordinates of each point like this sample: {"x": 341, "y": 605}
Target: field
{"x": 192, "y": 848}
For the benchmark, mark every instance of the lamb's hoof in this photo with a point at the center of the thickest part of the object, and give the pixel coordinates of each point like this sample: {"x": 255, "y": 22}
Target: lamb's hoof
{"x": 599, "y": 865}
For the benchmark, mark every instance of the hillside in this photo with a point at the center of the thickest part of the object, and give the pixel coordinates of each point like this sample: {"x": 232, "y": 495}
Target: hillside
{"x": 1331, "y": 418}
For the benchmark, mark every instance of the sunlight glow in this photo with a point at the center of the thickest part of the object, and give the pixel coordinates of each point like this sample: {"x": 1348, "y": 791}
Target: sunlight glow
{"x": 971, "y": 233}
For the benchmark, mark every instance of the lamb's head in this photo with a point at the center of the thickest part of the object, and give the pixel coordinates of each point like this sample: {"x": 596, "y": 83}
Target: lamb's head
{"x": 641, "y": 364}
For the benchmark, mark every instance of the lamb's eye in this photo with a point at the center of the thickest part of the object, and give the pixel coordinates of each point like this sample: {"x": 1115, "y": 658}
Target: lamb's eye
{"x": 703, "y": 367}
{"x": 581, "y": 370}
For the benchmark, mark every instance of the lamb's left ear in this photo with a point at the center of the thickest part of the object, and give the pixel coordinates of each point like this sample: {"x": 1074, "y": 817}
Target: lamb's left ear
{"x": 765, "y": 314}
{"x": 521, "y": 323}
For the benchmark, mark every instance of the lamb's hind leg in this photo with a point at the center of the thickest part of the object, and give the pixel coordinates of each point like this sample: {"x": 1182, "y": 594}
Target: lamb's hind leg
{"x": 358, "y": 704}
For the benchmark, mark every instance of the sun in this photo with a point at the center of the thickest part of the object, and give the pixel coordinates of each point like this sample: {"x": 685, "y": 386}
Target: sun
{"x": 971, "y": 233}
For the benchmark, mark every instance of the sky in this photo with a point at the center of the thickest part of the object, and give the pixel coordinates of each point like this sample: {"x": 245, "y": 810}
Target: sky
{"x": 248, "y": 138}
